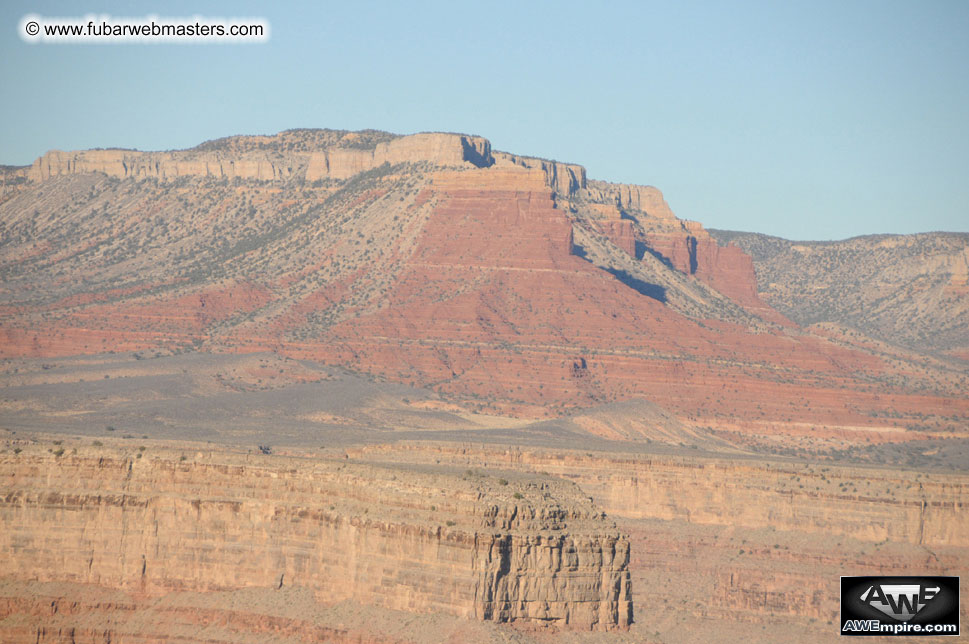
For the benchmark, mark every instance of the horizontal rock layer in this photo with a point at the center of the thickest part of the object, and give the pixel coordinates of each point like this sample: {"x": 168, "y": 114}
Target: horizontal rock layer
{"x": 867, "y": 504}
{"x": 336, "y": 162}
{"x": 530, "y": 549}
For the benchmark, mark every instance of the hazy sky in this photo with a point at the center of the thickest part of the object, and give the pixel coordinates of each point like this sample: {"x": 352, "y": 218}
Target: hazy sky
{"x": 808, "y": 120}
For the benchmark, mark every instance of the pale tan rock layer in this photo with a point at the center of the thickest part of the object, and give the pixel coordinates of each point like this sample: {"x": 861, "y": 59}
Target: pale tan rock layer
{"x": 868, "y": 504}
{"x": 328, "y": 163}
{"x": 340, "y": 162}
{"x": 408, "y": 539}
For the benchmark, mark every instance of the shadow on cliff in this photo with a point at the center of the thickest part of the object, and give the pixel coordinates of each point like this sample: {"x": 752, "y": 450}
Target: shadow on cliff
{"x": 642, "y": 287}
{"x": 654, "y": 291}
{"x": 642, "y": 249}
{"x": 475, "y": 157}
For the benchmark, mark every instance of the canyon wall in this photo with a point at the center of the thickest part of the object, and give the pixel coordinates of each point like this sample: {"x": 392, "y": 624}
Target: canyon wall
{"x": 867, "y": 504}
{"x": 423, "y": 540}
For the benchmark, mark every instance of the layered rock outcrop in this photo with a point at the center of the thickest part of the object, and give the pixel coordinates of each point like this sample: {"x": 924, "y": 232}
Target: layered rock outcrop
{"x": 161, "y": 165}
{"x": 684, "y": 245}
{"x": 435, "y": 149}
{"x": 565, "y": 178}
{"x": 871, "y": 504}
{"x": 341, "y": 160}
{"x": 645, "y": 199}
{"x": 531, "y": 549}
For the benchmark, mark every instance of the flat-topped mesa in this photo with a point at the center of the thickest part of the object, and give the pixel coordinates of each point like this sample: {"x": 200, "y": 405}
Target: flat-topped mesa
{"x": 423, "y": 539}
{"x": 341, "y": 159}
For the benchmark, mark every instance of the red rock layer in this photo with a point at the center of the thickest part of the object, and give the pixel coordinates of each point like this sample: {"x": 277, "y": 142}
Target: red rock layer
{"x": 490, "y": 304}
{"x": 727, "y": 269}
{"x": 494, "y": 306}
{"x": 620, "y": 232}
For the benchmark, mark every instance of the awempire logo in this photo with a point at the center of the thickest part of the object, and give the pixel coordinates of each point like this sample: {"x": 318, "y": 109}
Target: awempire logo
{"x": 899, "y": 606}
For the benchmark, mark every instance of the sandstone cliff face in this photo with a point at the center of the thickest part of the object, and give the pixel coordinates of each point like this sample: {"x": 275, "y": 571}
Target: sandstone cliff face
{"x": 336, "y": 162}
{"x": 728, "y": 269}
{"x": 400, "y": 538}
{"x": 160, "y": 165}
{"x": 565, "y": 178}
{"x": 720, "y": 542}
{"x": 869, "y": 505}
{"x": 646, "y": 199}
{"x": 436, "y": 149}
{"x": 646, "y": 219}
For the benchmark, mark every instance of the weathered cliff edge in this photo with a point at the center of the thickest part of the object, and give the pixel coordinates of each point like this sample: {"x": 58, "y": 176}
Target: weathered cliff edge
{"x": 529, "y": 549}
{"x": 868, "y": 504}
{"x": 338, "y": 159}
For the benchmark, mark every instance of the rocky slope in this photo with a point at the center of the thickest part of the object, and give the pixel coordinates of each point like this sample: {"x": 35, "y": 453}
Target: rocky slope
{"x": 511, "y": 283}
{"x": 911, "y": 290}
{"x": 420, "y": 539}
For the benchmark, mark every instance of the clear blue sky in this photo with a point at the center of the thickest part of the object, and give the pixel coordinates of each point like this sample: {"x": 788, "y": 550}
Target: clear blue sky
{"x": 808, "y": 120}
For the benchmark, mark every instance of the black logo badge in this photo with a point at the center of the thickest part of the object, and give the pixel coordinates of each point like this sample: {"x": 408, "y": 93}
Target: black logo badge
{"x": 899, "y": 606}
